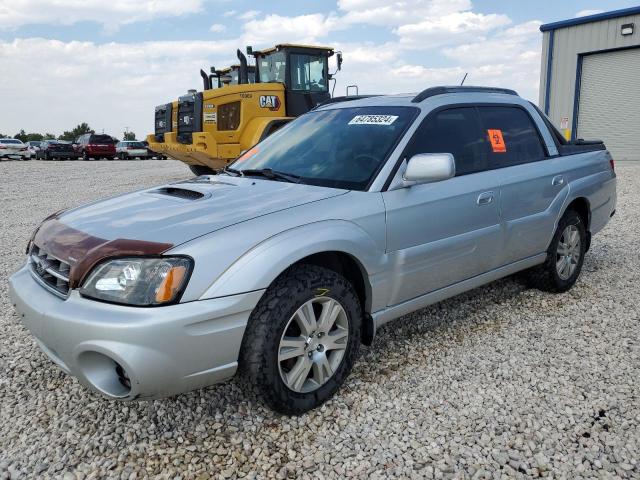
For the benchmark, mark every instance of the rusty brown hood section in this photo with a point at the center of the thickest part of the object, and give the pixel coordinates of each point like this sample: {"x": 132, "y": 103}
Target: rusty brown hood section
{"x": 83, "y": 251}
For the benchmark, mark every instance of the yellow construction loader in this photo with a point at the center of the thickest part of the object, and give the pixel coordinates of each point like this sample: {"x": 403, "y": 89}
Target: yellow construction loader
{"x": 166, "y": 115}
{"x": 214, "y": 126}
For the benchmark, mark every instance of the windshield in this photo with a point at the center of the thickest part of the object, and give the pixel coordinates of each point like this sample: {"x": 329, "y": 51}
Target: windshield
{"x": 134, "y": 144}
{"x": 272, "y": 68}
{"x": 340, "y": 148}
{"x": 11, "y": 141}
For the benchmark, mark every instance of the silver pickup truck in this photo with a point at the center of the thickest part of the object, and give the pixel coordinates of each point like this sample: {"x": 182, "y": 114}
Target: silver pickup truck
{"x": 280, "y": 266}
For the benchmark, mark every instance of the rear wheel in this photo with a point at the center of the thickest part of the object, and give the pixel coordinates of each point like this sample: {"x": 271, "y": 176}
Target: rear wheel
{"x": 201, "y": 170}
{"x": 302, "y": 339}
{"x": 565, "y": 256}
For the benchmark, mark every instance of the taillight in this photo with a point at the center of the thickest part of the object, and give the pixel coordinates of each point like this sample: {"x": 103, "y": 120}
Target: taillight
{"x": 613, "y": 164}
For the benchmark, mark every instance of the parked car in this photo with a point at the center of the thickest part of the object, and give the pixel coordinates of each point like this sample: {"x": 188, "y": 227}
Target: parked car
{"x": 93, "y": 145}
{"x": 33, "y": 146}
{"x": 12, "y": 147}
{"x": 56, "y": 149}
{"x": 357, "y": 213}
{"x": 131, "y": 149}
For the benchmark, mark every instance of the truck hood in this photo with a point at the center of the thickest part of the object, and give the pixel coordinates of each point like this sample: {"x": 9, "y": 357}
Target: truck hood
{"x": 179, "y": 212}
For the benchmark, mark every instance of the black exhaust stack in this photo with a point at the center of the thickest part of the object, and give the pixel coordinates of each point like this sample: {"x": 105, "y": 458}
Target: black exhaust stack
{"x": 243, "y": 75}
{"x": 206, "y": 81}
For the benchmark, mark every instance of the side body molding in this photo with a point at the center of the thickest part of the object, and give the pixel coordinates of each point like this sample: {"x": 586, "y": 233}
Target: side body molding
{"x": 257, "y": 268}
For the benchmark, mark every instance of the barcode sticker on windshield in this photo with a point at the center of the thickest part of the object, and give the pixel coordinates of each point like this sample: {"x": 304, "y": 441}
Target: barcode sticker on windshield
{"x": 373, "y": 119}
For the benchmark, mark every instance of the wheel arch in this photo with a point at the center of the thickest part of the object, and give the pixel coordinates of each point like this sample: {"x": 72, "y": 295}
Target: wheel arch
{"x": 350, "y": 268}
{"x": 582, "y": 207}
{"x": 338, "y": 245}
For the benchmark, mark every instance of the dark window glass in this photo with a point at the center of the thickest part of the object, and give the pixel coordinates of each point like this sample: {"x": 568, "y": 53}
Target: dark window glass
{"x": 513, "y": 138}
{"x": 100, "y": 139}
{"x": 454, "y": 131}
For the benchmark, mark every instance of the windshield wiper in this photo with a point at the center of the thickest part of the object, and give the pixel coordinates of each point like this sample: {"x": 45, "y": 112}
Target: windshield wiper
{"x": 272, "y": 174}
{"x": 233, "y": 171}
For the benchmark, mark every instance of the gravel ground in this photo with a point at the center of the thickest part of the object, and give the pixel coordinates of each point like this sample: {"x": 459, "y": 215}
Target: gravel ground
{"x": 499, "y": 381}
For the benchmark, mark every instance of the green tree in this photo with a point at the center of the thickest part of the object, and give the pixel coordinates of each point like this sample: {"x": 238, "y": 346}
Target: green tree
{"x": 27, "y": 137}
{"x": 21, "y": 135}
{"x": 49, "y": 136}
{"x": 76, "y": 132}
{"x": 129, "y": 136}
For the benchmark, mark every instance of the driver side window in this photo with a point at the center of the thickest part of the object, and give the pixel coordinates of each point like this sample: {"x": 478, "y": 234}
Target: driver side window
{"x": 308, "y": 73}
{"x": 456, "y": 131}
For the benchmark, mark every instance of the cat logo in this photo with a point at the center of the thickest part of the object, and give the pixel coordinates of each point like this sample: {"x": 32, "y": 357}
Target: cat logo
{"x": 272, "y": 102}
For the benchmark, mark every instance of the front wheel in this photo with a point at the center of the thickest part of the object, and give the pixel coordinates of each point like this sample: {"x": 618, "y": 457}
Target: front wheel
{"x": 302, "y": 339}
{"x": 565, "y": 256}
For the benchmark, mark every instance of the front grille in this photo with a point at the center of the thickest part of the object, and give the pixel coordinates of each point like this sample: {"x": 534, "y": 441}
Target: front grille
{"x": 229, "y": 116}
{"x": 162, "y": 121}
{"x": 189, "y": 117}
{"x": 51, "y": 273}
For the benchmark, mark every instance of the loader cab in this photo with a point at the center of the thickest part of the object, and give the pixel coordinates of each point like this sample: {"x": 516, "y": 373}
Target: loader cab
{"x": 226, "y": 76}
{"x": 303, "y": 69}
{"x": 231, "y": 76}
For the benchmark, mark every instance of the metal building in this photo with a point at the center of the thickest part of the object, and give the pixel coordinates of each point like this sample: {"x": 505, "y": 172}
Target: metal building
{"x": 590, "y": 79}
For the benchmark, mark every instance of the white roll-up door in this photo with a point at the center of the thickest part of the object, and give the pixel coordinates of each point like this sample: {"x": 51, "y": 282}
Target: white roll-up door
{"x": 610, "y": 102}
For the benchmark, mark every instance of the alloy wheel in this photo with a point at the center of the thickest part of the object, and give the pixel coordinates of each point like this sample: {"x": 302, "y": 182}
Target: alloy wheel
{"x": 568, "y": 252}
{"x": 313, "y": 344}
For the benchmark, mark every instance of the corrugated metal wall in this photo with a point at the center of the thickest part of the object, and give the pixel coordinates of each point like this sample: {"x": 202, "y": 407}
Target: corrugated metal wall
{"x": 569, "y": 42}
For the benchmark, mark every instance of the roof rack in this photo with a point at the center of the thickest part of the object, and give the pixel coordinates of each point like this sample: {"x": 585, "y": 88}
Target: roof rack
{"x": 433, "y": 91}
{"x": 346, "y": 98}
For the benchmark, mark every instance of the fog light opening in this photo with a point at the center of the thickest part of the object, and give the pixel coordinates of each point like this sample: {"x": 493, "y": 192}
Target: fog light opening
{"x": 105, "y": 374}
{"x": 124, "y": 379}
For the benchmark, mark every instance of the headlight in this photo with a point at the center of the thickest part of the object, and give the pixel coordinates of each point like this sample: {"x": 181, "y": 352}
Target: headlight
{"x": 139, "y": 281}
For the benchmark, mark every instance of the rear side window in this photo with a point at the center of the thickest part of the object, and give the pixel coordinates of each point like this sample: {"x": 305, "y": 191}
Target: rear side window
{"x": 513, "y": 138}
{"x": 100, "y": 139}
{"x": 456, "y": 131}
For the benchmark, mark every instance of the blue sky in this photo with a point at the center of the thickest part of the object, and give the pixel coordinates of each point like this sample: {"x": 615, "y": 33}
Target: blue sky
{"x": 109, "y": 62}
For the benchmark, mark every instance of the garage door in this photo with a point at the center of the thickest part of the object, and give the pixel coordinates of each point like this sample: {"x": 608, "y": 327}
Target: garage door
{"x": 610, "y": 102}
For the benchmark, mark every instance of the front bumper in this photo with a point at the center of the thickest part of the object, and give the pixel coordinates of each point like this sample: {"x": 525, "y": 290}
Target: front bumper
{"x": 162, "y": 351}
{"x": 16, "y": 154}
{"x": 135, "y": 153}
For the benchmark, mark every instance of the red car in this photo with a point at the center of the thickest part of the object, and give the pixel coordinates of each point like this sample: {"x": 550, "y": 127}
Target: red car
{"x": 93, "y": 145}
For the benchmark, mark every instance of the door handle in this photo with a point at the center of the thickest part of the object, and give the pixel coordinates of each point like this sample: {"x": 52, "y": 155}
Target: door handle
{"x": 557, "y": 180}
{"x": 485, "y": 198}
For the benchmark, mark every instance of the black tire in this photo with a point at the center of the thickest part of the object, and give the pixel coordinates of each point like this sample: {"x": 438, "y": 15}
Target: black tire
{"x": 546, "y": 276}
{"x": 46, "y": 155}
{"x": 200, "y": 170}
{"x": 258, "y": 361}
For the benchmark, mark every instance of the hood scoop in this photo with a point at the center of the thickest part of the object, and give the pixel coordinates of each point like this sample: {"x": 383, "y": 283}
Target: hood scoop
{"x": 181, "y": 193}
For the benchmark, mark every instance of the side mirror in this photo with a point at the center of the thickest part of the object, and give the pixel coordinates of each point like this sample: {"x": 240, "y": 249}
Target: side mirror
{"x": 429, "y": 168}
{"x": 339, "y": 60}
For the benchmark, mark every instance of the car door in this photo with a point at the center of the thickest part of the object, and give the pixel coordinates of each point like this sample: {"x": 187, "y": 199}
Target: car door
{"x": 442, "y": 233}
{"x": 533, "y": 186}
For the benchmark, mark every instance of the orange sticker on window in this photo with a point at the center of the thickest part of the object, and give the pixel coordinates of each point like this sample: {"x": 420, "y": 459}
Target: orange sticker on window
{"x": 497, "y": 141}
{"x": 248, "y": 154}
